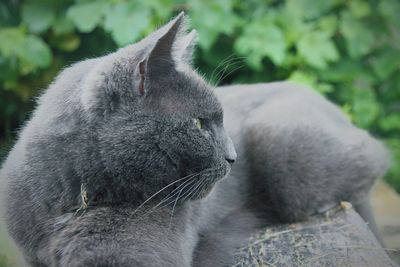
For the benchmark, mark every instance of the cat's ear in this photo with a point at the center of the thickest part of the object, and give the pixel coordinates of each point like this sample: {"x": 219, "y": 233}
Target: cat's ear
{"x": 185, "y": 47}
{"x": 159, "y": 61}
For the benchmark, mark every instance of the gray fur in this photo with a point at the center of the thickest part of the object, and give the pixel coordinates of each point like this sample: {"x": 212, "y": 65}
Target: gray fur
{"x": 308, "y": 146}
{"x": 298, "y": 155}
{"x": 121, "y": 127}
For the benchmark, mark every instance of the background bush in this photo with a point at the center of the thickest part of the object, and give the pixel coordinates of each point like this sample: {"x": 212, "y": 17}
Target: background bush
{"x": 347, "y": 50}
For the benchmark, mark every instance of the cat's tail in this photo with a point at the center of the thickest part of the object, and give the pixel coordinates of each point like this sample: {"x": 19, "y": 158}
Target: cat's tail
{"x": 378, "y": 161}
{"x": 365, "y": 211}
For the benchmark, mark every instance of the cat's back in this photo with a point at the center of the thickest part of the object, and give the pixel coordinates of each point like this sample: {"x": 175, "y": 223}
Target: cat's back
{"x": 284, "y": 106}
{"x": 278, "y": 103}
{"x": 297, "y": 143}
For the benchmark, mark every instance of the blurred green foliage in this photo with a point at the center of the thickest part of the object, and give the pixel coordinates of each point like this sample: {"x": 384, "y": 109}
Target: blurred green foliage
{"x": 347, "y": 50}
{"x": 3, "y": 261}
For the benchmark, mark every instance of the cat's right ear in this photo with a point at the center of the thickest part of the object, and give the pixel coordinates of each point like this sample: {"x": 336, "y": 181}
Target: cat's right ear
{"x": 159, "y": 60}
{"x": 185, "y": 47}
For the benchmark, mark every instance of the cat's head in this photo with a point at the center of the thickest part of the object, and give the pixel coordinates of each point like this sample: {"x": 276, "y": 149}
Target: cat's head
{"x": 157, "y": 122}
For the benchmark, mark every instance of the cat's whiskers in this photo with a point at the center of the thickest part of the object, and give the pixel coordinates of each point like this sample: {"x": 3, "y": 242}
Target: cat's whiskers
{"x": 232, "y": 71}
{"x": 192, "y": 183}
{"x": 200, "y": 188}
{"x": 223, "y": 70}
{"x": 169, "y": 196}
{"x": 228, "y": 58}
{"x": 173, "y": 209}
{"x": 187, "y": 193}
{"x": 159, "y": 191}
{"x": 199, "y": 192}
{"x": 196, "y": 185}
{"x": 222, "y": 73}
{"x": 174, "y": 192}
{"x": 190, "y": 191}
{"x": 165, "y": 199}
{"x": 189, "y": 178}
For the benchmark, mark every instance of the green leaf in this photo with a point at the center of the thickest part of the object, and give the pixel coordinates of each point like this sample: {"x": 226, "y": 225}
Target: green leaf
{"x": 390, "y": 10}
{"x": 66, "y": 42}
{"x": 8, "y": 69}
{"x": 14, "y": 43}
{"x": 328, "y": 24}
{"x": 126, "y": 21}
{"x": 303, "y": 78}
{"x": 386, "y": 62}
{"x": 309, "y": 9}
{"x": 346, "y": 109}
{"x": 359, "y": 8}
{"x": 310, "y": 80}
{"x": 207, "y": 38}
{"x": 86, "y": 16}
{"x": 390, "y": 122}
{"x": 63, "y": 25}
{"x": 317, "y": 49}
{"x": 211, "y": 18}
{"x": 11, "y": 41}
{"x": 344, "y": 70}
{"x": 29, "y": 49}
{"x": 36, "y": 52}
{"x": 365, "y": 107}
{"x": 293, "y": 26}
{"x": 162, "y": 8}
{"x": 325, "y": 88}
{"x": 261, "y": 39}
{"x": 359, "y": 39}
{"x": 38, "y": 17}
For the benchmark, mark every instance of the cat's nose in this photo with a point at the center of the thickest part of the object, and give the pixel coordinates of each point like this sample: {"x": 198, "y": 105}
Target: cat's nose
{"x": 230, "y": 152}
{"x": 230, "y": 160}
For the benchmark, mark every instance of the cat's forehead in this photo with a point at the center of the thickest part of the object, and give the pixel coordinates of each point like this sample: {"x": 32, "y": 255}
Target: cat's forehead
{"x": 187, "y": 92}
{"x": 202, "y": 102}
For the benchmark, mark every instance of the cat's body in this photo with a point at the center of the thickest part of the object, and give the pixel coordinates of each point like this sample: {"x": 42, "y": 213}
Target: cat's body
{"x": 297, "y": 144}
{"x": 96, "y": 175}
{"x": 298, "y": 155}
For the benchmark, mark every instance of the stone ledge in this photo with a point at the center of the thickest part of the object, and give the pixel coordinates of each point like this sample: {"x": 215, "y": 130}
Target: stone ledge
{"x": 337, "y": 238}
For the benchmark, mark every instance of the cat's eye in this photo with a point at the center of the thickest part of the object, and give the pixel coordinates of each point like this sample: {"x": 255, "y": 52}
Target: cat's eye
{"x": 199, "y": 123}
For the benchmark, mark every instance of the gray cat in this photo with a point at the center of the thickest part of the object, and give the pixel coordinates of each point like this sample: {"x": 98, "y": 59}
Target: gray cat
{"x": 122, "y": 161}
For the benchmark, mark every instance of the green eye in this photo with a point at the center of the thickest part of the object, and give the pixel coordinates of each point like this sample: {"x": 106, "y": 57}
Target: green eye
{"x": 199, "y": 123}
